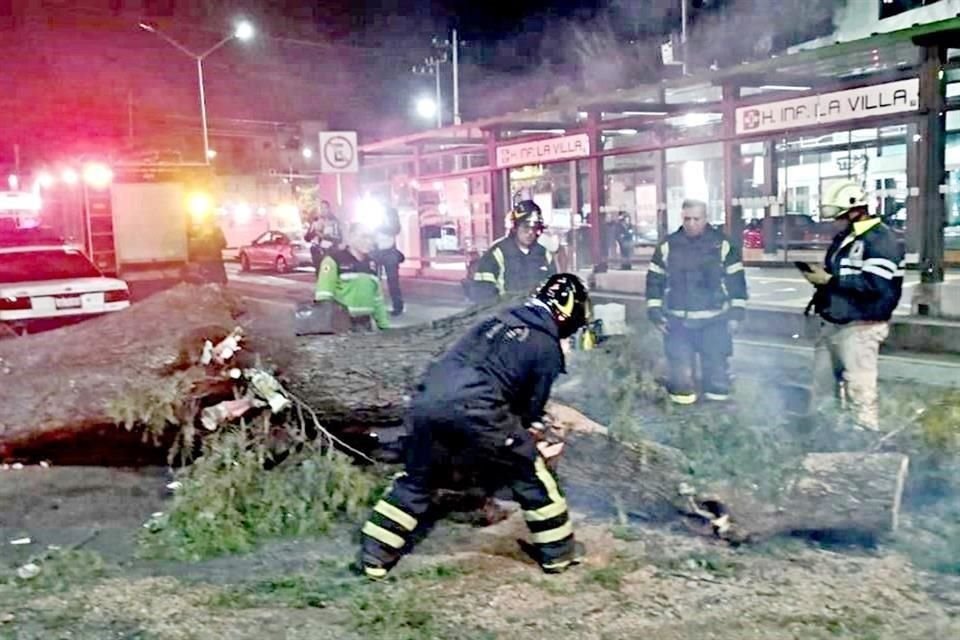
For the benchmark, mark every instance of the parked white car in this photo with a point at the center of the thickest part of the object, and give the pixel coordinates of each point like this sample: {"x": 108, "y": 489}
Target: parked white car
{"x": 45, "y": 282}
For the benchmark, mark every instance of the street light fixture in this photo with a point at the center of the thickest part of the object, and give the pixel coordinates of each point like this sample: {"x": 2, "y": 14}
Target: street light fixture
{"x": 243, "y": 31}
{"x": 307, "y": 153}
{"x": 426, "y": 108}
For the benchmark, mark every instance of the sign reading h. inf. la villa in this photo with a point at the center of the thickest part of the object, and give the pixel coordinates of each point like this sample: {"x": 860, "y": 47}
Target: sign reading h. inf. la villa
{"x": 539, "y": 151}
{"x": 838, "y": 106}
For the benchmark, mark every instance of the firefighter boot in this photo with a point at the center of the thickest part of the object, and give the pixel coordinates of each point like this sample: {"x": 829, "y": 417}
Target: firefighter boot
{"x": 578, "y": 551}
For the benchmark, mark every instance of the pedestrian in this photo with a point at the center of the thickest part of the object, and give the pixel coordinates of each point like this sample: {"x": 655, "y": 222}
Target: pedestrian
{"x": 323, "y": 233}
{"x": 516, "y": 263}
{"x": 482, "y": 404}
{"x": 856, "y": 291}
{"x": 389, "y": 257}
{"x": 625, "y": 240}
{"x": 697, "y": 297}
{"x": 349, "y": 277}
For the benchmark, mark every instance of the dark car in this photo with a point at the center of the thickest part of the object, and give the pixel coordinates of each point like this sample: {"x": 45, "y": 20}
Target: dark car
{"x": 276, "y": 250}
{"x": 791, "y": 231}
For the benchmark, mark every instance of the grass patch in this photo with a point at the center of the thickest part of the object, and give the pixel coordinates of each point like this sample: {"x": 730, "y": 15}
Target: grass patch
{"x": 713, "y": 563}
{"x": 849, "y": 624}
{"x": 612, "y": 575}
{"x": 61, "y": 570}
{"x": 228, "y": 503}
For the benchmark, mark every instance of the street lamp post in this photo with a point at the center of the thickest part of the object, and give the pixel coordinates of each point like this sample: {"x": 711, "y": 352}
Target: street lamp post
{"x": 242, "y": 31}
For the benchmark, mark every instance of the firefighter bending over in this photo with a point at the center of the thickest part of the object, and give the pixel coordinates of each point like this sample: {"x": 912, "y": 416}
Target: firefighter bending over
{"x": 857, "y": 291}
{"x": 697, "y": 295}
{"x": 349, "y": 277}
{"x": 482, "y": 404}
{"x": 516, "y": 263}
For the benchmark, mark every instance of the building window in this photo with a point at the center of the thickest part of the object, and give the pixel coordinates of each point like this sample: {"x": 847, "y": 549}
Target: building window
{"x": 890, "y": 8}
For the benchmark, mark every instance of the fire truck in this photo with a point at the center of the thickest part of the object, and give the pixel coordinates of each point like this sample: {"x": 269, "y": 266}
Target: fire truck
{"x": 132, "y": 221}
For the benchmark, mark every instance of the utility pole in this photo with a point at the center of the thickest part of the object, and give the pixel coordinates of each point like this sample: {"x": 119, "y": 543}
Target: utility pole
{"x": 683, "y": 33}
{"x": 452, "y": 47}
{"x": 456, "y": 78}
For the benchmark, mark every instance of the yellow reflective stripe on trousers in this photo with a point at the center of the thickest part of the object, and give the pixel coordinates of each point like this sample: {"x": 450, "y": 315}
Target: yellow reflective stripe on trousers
{"x": 738, "y": 303}
{"x": 683, "y": 398}
{"x": 546, "y": 478}
{"x": 375, "y": 572}
{"x": 380, "y": 534}
{"x": 655, "y": 268}
{"x": 654, "y": 303}
{"x": 736, "y": 267}
{"x": 402, "y": 518}
{"x": 546, "y": 513}
{"x": 553, "y": 535}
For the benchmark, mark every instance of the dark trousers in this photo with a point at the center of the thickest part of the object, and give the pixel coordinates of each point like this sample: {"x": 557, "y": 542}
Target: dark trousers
{"x": 713, "y": 344}
{"x": 392, "y": 271}
{"x": 316, "y": 256}
{"x": 488, "y": 446}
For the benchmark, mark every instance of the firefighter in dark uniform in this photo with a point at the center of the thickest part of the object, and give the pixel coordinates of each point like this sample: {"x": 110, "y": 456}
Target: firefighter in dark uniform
{"x": 697, "y": 296}
{"x": 516, "y": 263}
{"x": 482, "y": 404}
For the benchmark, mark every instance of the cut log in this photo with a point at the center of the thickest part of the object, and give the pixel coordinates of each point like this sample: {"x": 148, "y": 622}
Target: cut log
{"x": 848, "y": 493}
{"x": 854, "y": 494}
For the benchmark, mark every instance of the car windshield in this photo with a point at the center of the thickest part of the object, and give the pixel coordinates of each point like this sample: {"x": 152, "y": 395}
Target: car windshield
{"x": 31, "y": 266}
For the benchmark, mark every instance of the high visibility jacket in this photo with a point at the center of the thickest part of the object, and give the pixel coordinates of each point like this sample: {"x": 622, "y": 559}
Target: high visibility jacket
{"x": 505, "y": 268}
{"x": 697, "y": 279}
{"x": 354, "y": 284}
{"x": 867, "y": 264}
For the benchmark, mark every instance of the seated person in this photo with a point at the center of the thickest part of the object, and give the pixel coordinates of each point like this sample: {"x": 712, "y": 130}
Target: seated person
{"x": 348, "y": 277}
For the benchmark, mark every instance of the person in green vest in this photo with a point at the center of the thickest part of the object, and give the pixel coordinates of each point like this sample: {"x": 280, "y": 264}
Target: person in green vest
{"x": 349, "y": 277}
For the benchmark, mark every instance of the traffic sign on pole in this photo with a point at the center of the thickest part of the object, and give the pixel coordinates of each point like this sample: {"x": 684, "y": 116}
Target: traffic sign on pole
{"x": 338, "y": 152}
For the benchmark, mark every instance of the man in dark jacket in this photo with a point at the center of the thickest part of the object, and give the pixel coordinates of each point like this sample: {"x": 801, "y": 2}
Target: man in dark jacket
{"x": 516, "y": 263}
{"x": 697, "y": 295}
{"x": 857, "y": 290}
{"x": 481, "y": 404}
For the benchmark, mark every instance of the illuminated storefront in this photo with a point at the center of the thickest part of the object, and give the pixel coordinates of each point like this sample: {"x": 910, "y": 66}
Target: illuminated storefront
{"x": 758, "y": 144}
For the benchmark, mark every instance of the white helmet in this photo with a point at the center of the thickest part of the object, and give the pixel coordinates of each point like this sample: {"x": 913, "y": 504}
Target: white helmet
{"x": 840, "y": 197}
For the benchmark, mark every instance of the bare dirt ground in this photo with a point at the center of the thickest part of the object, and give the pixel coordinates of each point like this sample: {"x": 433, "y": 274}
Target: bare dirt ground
{"x": 462, "y": 583}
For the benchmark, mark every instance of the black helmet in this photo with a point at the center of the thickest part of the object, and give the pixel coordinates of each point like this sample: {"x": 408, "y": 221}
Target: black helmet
{"x": 568, "y": 301}
{"x": 527, "y": 211}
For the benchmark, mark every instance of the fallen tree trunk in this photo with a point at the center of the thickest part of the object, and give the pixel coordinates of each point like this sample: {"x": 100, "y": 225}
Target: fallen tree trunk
{"x": 62, "y": 392}
{"x": 854, "y": 494}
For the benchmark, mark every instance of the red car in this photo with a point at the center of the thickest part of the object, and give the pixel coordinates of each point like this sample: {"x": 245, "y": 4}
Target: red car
{"x": 275, "y": 250}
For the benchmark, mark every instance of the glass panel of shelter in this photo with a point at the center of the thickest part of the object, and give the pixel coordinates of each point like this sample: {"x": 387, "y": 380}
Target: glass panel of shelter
{"x": 807, "y": 165}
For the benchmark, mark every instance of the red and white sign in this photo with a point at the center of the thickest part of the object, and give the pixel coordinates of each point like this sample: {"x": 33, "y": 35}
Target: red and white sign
{"x": 839, "y": 106}
{"x": 540, "y": 151}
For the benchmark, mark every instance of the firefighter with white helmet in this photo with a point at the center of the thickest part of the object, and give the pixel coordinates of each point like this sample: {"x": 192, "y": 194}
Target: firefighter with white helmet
{"x": 856, "y": 291}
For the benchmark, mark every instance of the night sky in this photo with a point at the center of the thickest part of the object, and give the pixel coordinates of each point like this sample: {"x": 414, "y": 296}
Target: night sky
{"x": 72, "y": 68}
